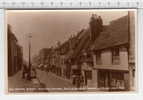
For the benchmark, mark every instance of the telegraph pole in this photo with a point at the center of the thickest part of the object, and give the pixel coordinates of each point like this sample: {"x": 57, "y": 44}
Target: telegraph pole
{"x": 29, "y": 45}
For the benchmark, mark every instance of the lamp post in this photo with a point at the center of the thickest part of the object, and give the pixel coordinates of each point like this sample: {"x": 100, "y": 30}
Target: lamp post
{"x": 29, "y": 46}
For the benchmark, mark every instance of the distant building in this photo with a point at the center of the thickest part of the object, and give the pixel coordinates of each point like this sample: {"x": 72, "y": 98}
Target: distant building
{"x": 44, "y": 58}
{"x": 43, "y": 55}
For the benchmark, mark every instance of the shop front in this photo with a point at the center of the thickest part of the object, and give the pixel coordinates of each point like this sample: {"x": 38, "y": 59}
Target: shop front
{"x": 112, "y": 80}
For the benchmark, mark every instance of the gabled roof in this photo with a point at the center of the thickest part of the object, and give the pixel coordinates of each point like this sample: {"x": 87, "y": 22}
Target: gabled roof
{"x": 116, "y": 34}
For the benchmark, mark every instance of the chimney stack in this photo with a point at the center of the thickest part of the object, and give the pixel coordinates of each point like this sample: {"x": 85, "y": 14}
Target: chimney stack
{"x": 96, "y": 26}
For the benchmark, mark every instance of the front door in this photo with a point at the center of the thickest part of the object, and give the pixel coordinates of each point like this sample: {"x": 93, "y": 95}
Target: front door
{"x": 103, "y": 79}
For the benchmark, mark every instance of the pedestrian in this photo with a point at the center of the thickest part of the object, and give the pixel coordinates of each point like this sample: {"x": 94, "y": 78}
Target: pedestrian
{"x": 82, "y": 81}
{"x": 24, "y": 72}
{"x": 33, "y": 73}
{"x": 78, "y": 82}
{"x": 74, "y": 79}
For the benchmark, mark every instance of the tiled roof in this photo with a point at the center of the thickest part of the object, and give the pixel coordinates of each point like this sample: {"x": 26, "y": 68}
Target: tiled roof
{"x": 83, "y": 42}
{"x": 116, "y": 34}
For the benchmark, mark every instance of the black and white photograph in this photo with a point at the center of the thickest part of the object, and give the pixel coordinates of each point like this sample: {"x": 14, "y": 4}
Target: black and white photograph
{"x": 71, "y": 51}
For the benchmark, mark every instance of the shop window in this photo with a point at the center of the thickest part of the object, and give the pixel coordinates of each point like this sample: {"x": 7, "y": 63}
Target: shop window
{"x": 98, "y": 58}
{"x": 117, "y": 80}
{"x": 112, "y": 80}
{"x": 115, "y": 56}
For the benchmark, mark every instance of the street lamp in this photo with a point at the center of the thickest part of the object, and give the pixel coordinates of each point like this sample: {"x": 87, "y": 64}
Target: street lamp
{"x": 29, "y": 42}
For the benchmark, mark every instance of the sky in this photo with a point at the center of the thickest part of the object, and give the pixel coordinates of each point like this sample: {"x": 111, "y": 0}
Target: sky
{"x": 47, "y": 27}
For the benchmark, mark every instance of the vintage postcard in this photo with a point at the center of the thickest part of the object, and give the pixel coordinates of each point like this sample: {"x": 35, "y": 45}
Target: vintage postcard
{"x": 71, "y": 51}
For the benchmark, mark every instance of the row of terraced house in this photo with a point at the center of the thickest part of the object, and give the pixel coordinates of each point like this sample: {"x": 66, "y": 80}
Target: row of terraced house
{"x": 103, "y": 54}
{"x": 15, "y": 53}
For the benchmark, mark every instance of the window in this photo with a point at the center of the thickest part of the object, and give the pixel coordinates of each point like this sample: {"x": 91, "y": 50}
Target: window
{"x": 98, "y": 58}
{"x": 115, "y": 56}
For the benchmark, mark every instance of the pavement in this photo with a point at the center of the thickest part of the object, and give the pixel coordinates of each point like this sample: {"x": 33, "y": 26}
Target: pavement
{"x": 16, "y": 81}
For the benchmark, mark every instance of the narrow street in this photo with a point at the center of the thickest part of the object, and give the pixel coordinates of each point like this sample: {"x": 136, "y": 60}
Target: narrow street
{"x": 51, "y": 80}
{"x": 88, "y": 55}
